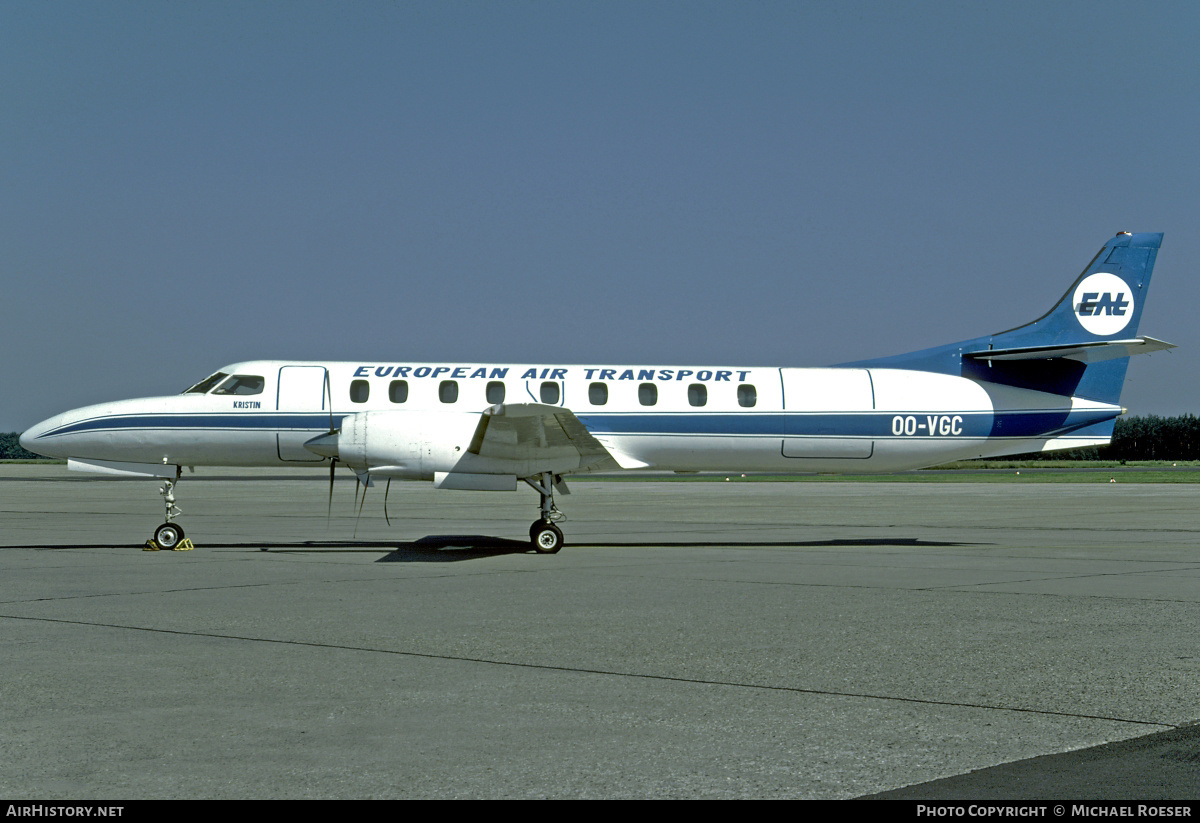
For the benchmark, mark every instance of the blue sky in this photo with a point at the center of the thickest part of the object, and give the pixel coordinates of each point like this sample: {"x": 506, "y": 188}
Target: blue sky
{"x": 188, "y": 184}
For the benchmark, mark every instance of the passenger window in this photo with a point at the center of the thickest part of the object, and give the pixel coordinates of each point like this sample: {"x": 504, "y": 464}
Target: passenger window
{"x": 747, "y": 395}
{"x": 647, "y": 394}
{"x": 549, "y": 393}
{"x": 598, "y": 394}
{"x": 698, "y": 394}
{"x": 241, "y": 384}
{"x": 448, "y": 391}
{"x": 360, "y": 390}
{"x": 495, "y": 392}
{"x": 398, "y": 391}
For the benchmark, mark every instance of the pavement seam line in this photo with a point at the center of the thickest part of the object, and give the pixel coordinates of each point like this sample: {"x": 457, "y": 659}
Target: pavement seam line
{"x": 602, "y": 672}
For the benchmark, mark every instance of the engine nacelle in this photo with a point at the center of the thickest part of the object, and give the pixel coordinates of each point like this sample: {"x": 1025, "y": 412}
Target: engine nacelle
{"x": 410, "y": 444}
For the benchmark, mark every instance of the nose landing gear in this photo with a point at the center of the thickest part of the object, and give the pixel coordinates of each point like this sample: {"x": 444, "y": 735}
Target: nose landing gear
{"x": 169, "y": 535}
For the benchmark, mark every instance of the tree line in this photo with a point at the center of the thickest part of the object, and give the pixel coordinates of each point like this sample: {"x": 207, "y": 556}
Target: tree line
{"x": 1134, "y": 438}
{"x": 1140, "y": 438}
{"x": 10, "y": 448}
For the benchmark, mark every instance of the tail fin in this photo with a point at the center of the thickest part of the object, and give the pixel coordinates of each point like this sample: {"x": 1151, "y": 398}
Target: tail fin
{"x": 1080, "y": 347}
{"x": 1105, "y": 302}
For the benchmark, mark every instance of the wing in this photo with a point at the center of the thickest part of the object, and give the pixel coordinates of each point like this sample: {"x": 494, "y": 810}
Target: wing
{"x": 542, "y": 433}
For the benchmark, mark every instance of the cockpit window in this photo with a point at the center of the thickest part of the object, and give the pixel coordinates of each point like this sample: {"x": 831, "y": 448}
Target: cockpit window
{"x": 207, "y": 383}
{"x": 241, "y": 384}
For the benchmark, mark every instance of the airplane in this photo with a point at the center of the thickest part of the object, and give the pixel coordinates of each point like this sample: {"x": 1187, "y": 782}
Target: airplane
{"x": 1053, "y": 383}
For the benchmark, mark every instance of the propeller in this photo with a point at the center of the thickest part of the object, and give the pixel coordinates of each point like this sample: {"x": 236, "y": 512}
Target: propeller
{"x": 326, "y": 445}
{"x": 333, "y": 458}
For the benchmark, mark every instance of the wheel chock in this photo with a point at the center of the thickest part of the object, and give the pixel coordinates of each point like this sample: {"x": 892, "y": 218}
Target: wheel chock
{"x": 184, "y": 545}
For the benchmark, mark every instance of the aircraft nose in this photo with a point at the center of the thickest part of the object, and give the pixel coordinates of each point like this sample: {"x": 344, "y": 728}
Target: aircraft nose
{"x": 28, "y": 439}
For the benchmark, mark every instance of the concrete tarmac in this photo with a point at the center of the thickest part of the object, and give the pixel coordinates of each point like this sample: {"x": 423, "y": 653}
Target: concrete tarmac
{"x": 694, "y": 639}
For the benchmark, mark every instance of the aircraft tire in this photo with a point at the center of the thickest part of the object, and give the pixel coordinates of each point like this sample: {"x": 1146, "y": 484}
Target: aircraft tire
{"x": 168, "y": 535}
{"x": 547, "y": 538}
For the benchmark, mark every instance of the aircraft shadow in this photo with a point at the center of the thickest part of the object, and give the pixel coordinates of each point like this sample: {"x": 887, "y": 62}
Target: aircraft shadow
{"x": 455, "y": 548}
{"x": 427, "y": 549}
{"x": 432, "y": 549}
{"x": 442, "y": 549}
{"x": 451, "y": 548}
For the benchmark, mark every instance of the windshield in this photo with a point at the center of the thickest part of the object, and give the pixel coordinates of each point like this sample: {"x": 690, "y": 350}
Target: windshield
{"x": 207, "y": 383}
{"x": 241, "y": 384}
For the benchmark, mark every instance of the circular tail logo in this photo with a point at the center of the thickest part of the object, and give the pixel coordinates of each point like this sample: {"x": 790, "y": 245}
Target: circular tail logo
{"x": 1103, "y": 303}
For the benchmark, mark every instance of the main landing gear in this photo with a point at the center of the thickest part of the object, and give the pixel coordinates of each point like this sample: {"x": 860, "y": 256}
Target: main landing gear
{"x": 169, "y": 536}
{"x": 546, "y": 537}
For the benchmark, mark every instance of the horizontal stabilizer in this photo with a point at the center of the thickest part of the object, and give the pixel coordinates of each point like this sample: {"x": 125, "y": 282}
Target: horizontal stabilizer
{"x": 1092, "y": 352}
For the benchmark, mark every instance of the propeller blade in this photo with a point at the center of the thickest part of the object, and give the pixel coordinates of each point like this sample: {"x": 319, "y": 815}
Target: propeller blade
{"x": 386, "y": 489}
{"x": 360, "y": 508}
{"x": 329, "y": 392}
{"x": 326, "y": 445}
{"x": 329, "y": 508}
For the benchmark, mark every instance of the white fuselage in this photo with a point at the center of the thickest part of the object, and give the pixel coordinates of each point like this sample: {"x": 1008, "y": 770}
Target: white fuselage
{"x": 850, "y": 420}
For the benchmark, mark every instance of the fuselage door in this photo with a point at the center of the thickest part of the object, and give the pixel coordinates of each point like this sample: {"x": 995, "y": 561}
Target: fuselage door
{"x": 828, "y": 413}
{"x": 302, "y": 403}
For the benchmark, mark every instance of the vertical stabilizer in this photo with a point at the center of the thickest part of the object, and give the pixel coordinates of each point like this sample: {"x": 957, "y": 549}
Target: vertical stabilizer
{"x": 1101, "y": 308}
{"x": 1104, "y": 303}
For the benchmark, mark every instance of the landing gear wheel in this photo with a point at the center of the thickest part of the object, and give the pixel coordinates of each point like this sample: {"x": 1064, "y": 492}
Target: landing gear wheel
{"x": 168, "y": 535}
{"x": 547, "y": 538}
